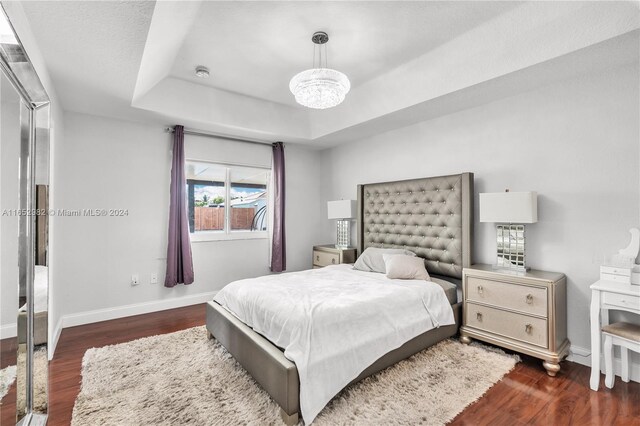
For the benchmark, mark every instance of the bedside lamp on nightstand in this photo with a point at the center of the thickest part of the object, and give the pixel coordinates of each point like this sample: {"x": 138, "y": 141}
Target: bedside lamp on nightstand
{"x": 510, "y": 211}
{"x": 344, "y": 211}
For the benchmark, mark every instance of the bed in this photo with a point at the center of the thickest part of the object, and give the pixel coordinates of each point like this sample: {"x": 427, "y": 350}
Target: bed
{"x": 431, "y": 217}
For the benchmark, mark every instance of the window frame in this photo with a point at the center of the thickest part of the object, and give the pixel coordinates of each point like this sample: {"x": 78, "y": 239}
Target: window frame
{"x": 228, "y": 234}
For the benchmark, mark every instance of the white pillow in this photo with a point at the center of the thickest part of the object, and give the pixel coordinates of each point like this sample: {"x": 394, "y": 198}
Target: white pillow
{"x": 405, "y": 267}
{"x": 371, "y": 259}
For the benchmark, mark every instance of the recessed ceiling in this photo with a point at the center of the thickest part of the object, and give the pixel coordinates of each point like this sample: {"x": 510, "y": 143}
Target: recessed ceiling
{"x": 254, "y": 48}
{"x": 407, "y": 61}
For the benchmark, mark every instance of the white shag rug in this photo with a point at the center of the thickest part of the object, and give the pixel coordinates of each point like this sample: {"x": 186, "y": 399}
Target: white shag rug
{"x": 40, "y": 381}
{"x": 40, "y": 374}
{"x": 184, "y": 378}
{"x": 7, "y": 376}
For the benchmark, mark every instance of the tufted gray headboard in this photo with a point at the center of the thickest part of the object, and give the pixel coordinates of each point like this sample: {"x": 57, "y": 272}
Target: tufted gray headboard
{"x": 433, "y": 217}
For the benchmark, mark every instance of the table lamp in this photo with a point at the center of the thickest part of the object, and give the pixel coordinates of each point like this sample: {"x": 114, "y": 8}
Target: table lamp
{"x": 510, "y": 211}
{"x": 344, "y": 211}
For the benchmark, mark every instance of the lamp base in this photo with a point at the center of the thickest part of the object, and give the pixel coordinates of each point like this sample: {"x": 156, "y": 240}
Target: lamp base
{"x": 343, "y": 234}
{"x": 510, "y": 251}
{"x": 514, "y": 269}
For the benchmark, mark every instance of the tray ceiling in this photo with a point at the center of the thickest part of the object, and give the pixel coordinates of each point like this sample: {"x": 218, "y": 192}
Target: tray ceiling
{"x": 406, "y": 60}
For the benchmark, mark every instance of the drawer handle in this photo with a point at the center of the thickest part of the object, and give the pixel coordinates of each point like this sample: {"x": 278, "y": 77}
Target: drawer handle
{"x": 529, "y": 299}
{"x": 480, "y": 289}
{"x": 479, "y": 316}
{"x": 317, "y": 257}
{"x": 528, "y": 328}
{"x": 333, "y": 261}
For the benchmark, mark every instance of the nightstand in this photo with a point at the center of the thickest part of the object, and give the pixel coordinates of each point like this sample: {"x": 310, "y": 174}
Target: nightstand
{"x": 521, "y": 311}
{"x": 328, "y": 254}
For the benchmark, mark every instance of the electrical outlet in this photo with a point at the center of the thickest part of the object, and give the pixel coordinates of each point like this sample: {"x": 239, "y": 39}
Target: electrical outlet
{"x": 154, "y": 279}
{"x": 135, "y": 279}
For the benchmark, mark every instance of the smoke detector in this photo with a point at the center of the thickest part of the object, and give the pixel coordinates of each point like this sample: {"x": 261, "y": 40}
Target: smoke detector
{"x": 202, "y": 71}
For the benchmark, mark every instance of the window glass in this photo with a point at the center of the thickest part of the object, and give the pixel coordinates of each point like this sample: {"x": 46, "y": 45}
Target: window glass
{"x": 248, "y": 194}
{"x": 211, "y": 188}
{"x": 206, "y": 193}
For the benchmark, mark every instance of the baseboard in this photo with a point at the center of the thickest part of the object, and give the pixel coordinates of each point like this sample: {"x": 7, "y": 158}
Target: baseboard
{"x": 583, "y": 356}
{"x": 579, "y": 355}
{"x": 8, "y": 331}
{"x": 89, "y": 317}
{"x": 51, "y": 349}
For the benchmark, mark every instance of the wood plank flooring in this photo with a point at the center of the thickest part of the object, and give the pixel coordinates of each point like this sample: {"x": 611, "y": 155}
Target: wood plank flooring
{"x": 525, "y": 396}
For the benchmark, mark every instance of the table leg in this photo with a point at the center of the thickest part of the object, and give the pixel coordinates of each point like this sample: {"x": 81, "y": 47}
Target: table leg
{"x": 594, "y": 382}
{"x": 626, "y": 366}
{"x": 604, "y": 320}
{"x": 609, "y": 378}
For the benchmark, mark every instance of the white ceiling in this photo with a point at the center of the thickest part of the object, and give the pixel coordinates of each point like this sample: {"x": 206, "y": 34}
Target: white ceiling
{"x": 92, "y": 49}
{"x": 135, "y": 59}
{"x": 254, "y": 48}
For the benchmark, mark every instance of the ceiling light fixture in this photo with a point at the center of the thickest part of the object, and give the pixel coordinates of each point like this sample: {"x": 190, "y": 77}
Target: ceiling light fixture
{"x": 202, "y": 71}
{"x": 320, "y": 87}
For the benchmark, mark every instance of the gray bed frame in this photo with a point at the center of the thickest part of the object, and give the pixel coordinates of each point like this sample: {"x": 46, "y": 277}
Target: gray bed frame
{"x": 432, "y": 217}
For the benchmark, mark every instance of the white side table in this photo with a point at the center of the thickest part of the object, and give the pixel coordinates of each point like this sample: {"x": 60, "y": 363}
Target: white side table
{"x": 606, "y": 295}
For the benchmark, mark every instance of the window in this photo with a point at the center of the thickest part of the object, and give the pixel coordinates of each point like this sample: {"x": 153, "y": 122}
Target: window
{"x": 226, "y": 201}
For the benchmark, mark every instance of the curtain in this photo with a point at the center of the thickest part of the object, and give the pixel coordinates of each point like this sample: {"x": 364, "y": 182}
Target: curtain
{"x": 179, "y": 260}
{"x": 278, "y": 238}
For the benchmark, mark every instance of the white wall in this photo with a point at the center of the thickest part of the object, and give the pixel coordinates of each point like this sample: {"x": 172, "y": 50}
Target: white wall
{"x": 107, "y": 163}
{"x": 9, "y": 178}
{"x": 576, "y": 143}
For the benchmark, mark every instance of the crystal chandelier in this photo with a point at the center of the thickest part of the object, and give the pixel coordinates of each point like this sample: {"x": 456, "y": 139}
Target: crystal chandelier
{"x": 320, "y": 87}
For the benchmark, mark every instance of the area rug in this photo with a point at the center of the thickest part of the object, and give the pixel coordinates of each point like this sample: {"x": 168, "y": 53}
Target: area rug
{"x": 40, "y": 372}
{"x": 40, "y": 380}
{"x": 7, "y": 376}
{"x": 184, "y": 378}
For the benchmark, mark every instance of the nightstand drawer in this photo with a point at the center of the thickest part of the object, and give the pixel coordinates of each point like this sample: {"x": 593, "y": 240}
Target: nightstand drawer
{"x": 507, "y": 324}
{"x": 527, "y": 299}
{"x": 621, "y": 300}
{"x": 323, "y": 258}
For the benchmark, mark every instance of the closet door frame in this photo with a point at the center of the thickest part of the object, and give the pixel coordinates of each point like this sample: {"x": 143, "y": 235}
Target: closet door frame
{"x": 34, "y": 101}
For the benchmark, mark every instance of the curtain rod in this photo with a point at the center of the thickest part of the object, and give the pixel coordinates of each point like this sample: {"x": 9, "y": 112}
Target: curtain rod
{"x": 220, "y": 136}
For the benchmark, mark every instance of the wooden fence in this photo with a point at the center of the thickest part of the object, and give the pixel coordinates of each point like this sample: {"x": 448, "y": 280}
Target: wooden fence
{"x": 212, "y": 218}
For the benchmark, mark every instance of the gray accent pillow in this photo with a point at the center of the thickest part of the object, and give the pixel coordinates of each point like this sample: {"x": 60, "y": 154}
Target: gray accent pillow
{"x": 371, "y": 259}
{"x": 402, "y": 267}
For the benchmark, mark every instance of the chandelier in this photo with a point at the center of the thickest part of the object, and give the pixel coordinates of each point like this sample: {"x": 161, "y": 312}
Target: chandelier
{"x": 320, "y": 87}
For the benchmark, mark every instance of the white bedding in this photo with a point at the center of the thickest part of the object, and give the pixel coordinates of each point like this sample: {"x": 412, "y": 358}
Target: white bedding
{"x": 334, "y": 322}
{"x": 40, "y": 290}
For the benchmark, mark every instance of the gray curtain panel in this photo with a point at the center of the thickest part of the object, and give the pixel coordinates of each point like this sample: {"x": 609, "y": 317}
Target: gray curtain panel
{"x": 278, "y": 247}
{"x": 179, "y": 260}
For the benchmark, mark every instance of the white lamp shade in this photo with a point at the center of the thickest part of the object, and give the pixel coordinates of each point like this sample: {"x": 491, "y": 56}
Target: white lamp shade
{"x": 509, "y": 207}
{"x": 341, "y": 209}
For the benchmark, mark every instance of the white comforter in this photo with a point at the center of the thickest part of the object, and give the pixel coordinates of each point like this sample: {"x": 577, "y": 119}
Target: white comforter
{"x": 40, "y": 290}
{"x": 334, "y": 322}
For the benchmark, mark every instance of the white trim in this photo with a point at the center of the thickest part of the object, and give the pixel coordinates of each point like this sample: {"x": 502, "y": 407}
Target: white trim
{"x": 89, "y": 317}
{"x": 583, "y": 356}
{"x": 8, "y": 331}
{"x": 230, "y": 164}
{"x": 98, "y": 315}
{"x": 580, "y": 355}
{"x": 204, "y": 236}
{"x": 51, "y": 349}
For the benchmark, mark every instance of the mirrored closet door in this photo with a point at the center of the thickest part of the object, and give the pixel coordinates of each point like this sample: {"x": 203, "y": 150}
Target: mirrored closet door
{"x": 24, "y": 235}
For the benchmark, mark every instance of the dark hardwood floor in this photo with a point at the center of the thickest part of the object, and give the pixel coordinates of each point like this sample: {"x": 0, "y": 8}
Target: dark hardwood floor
{"x": 525, "y": 396}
